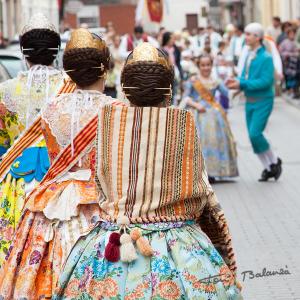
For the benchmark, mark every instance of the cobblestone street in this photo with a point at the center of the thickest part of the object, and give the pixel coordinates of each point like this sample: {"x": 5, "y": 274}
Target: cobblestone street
{"x": 264, "y": 217}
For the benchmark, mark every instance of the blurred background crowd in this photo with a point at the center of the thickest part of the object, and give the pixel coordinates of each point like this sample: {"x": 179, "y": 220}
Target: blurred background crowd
{"x": 207, "y": 27}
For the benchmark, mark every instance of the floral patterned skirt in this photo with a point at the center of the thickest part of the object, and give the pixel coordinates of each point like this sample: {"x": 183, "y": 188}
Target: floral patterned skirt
{"x": 218, "y": 145}
{"x": 185, "y": 265}
{"x": 14, "y": 188}
{"x": 12, "y": 197}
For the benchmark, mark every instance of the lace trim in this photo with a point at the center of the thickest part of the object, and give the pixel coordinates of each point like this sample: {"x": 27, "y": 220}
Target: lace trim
{"x": 30, "y": 91}
{"x": 69, "y": 113}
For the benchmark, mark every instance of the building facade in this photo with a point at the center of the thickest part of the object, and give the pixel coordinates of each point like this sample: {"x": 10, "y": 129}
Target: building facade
{"x": 285, "y": 9}
{"x": 124, "y": 14}
{"x": 223, "y": 12}
{"x": 14, "y": 14}
{"x": 189, "y": 14}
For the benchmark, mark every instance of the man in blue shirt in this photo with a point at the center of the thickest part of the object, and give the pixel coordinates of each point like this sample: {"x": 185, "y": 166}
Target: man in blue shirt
{"x": 257, "y": 83}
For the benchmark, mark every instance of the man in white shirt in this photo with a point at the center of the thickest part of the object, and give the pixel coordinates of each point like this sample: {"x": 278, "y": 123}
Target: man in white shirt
{"x": 215, "y": 38}
{"x": 130, "y": 41}
{"x": 197, "y": 42}
{"x": 237, "y": 43}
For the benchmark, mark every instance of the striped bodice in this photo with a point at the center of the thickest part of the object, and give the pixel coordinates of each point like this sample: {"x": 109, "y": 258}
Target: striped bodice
{"x": 150, "y": 167}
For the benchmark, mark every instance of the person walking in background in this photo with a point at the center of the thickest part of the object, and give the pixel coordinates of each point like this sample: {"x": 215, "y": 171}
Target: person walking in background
{"x": 110, "y": 33}
{"x": 214, "y": 37}
{"x": 290, "y": 55}
{"x": 197, "y": 41}
{"x": 112, "y": 78}
{"x": 283, "y": 35}
{"x": 257, "y": 80}
{"x": 174, "y": 54}
{"x": 237, "y": 43}
{"x": 274, "y": 30}
{"x": 297, "y": 38}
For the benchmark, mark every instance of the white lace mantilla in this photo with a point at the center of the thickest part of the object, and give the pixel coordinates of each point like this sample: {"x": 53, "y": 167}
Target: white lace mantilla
{"x": 69, "y": 113}
{"x": 26, "y": 94}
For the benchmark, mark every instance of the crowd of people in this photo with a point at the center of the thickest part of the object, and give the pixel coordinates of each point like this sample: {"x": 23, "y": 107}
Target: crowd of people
{"x": 227, "y": 50}
{"x": 106, "y": 165}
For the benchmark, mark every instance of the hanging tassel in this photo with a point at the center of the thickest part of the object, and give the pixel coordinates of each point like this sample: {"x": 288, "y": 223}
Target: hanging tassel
{"x": 141, "y": 242}
{"x": 144, "y": 246}
{"x": 238, "y": 285}
{"x": 128, "y": 253}
{"x": 112, "y": 249}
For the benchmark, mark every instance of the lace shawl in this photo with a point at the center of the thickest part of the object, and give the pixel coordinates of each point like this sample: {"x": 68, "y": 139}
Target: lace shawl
{"x": 69, "y": 113}
{"x": 26, "y": 94}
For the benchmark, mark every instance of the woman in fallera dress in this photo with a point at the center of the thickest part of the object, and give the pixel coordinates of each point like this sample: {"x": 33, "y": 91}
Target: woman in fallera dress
{"x": 21, "y": 101}
{"x": 161, "y": 233}
{"x": 51, "y": 222}
{"x": 218, "y": 145}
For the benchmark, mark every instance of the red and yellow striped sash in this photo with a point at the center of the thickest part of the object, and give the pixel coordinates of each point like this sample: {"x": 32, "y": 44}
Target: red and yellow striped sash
{"x": 207, "y": 96}
{"x": 65, "y": 160}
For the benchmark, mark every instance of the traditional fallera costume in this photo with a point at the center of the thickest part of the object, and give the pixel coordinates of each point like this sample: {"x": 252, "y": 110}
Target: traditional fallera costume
{"x": 160, "y": 200}
{"x": 257, "y": 83}
{"x": 47, "y": 231}
{"x": 26, "y": 160}
{"x": 159, "y": 226}
{"x": 218, "y": 145}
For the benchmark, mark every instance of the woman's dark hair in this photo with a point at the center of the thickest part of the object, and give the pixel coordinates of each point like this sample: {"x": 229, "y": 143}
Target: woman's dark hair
{"x": 221, "y": 44}
{"x": 277, "y": 19}
{"x": 86, "y": 65}
{"x": 42, "y": 44}
{"x": 291, "y": 29}
{"x": 285, "y": 26}
{"x": 146, "y": 77}
{"x": 166, "y": 38}
{"x": 205, "y": 56}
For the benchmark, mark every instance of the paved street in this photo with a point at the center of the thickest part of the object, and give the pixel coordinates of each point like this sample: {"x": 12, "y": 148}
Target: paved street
{"x": 264, "y": 217}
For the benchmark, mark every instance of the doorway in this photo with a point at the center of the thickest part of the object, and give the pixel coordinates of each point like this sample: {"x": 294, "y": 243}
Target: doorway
{"x": 191, "y": 21}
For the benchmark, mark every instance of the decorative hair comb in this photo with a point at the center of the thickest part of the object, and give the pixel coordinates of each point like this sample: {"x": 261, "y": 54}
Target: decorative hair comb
{"x": 38, "y": 21}
{"x": 147, "y": 52}
{"x": 82, "y": 38}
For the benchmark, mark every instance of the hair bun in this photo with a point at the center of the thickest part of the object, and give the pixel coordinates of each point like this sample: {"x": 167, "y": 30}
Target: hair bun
{"x": 151, "y": 79}
{"x": 86, "y": 65}
{"x": 42, "y": 45}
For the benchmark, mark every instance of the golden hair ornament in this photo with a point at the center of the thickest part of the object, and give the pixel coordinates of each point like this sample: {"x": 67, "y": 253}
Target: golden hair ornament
{"x": 82, "y": 38}
{"x": 147, "y": 53}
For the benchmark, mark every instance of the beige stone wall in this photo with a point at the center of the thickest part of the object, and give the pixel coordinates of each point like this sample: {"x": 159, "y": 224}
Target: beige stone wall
{"x": 15, "y": 13}
{"x": 262, "y": 11}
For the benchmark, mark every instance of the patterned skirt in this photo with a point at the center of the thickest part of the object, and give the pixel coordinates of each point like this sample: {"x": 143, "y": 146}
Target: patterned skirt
{"x": 185, "y": 265}
{"x": 218, "y": 145}
{"x": 32, "y": 166}
{"x": 12, "y": 197}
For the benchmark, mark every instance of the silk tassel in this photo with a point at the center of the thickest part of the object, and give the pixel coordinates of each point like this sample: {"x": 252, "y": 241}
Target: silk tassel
{"x": 112, "y": 249}
{"x": 127, "y": 249}
{"x": 141, "y": 242}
